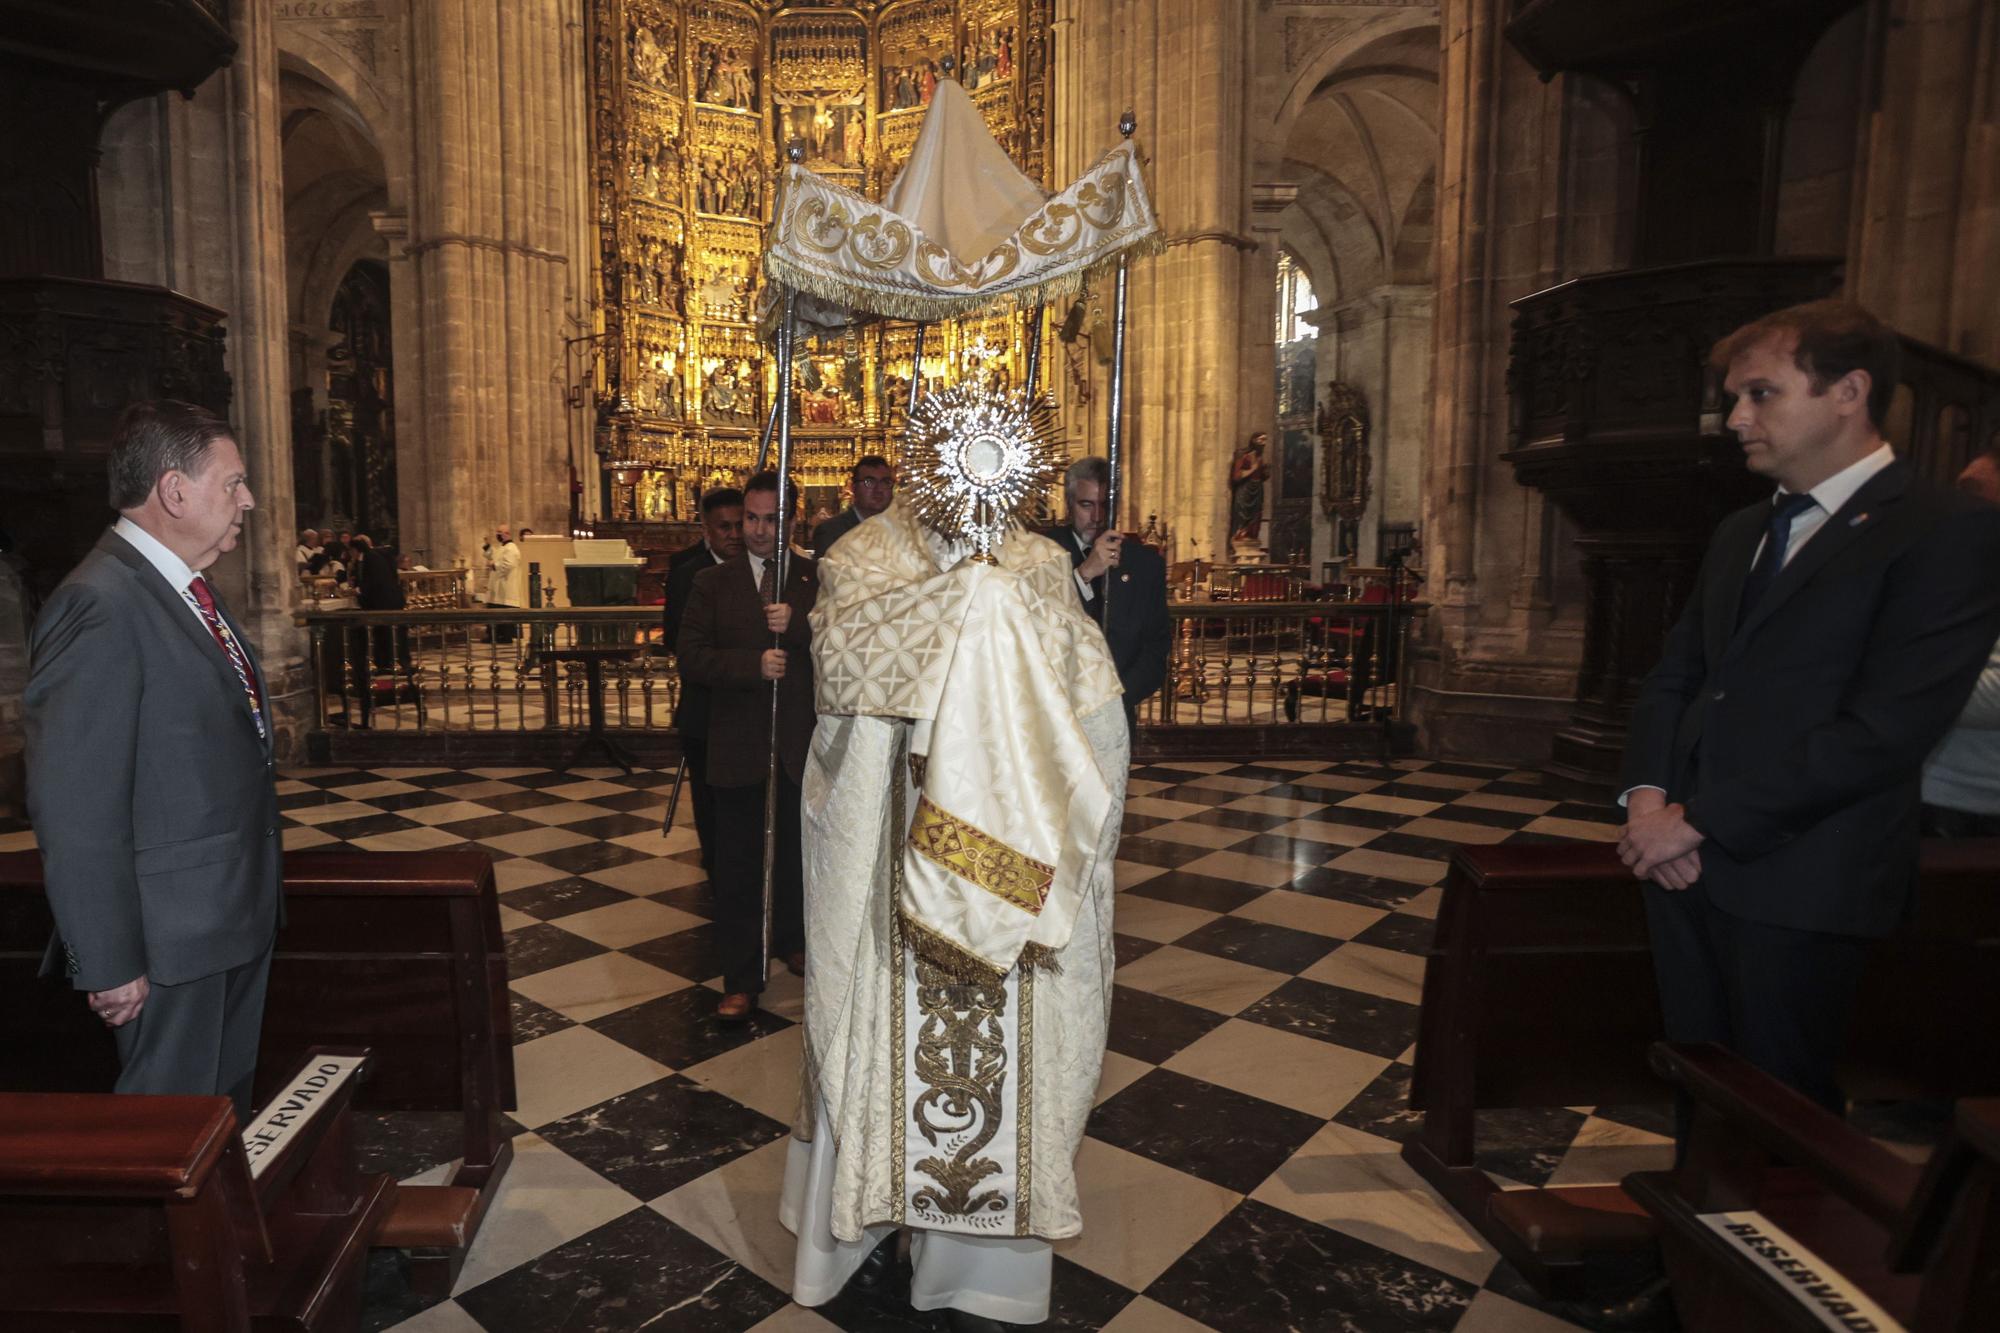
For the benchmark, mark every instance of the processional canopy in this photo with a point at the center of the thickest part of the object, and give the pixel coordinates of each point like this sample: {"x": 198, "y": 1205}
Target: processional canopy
{"x": 960, "y": 230}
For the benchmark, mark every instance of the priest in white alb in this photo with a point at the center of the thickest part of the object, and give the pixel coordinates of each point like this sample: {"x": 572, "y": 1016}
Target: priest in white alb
{"x": 962, "y": 808}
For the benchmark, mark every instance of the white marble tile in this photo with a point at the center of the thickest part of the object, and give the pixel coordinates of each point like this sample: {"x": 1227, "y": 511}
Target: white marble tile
{"x": 1425, "y": 904}
{"x": 567, "y": 812}
{"x": 795, "y": 1319}
{"x": 621, "y": 925}
{"x": 585, "y": 790}
{"x": 528, "y": 842}
{"x": 1144, "y": 786}
{"x": 1119, "y": 1073}
{"x": 1390, "y": 805}
{"x": 1275, "y": 805}
{"x": 1224, "y": 782}
{"x": 654, "y": 843}
{"x": 1151, "y": 919}
{"x": 566, "y": 1071}
{"x": 362, "y": 791}
{"x": 1139, "y": 1216}
{"x": 1302, "y": 911}
{"x": 448, "y": 812}
{"x": 327, "y": 814}
{"x": 1262, "y": 871}
{"x": 546, "y": 1199}
{"x": 296, "y": 840}
{"x": 1450, "y": 781}
{"x": 1390, "y": 865}
{"x": 1604, "y": 1152}
{"x": 734, "y": 1209}
{"x": 473, "y": 791}
{"x": 293, "y": 787}
{"x": 593, "y": 987}
{"x": 408, "y": 840}
{"x": 402, "y": 773}
{"x": 1197, "y": 835}
{"x": 1390, "y": 973}
{"x": 1506, "y": 805}
{"x": 1359, "y": 1184}
{"x": 1198, "y": 765}
{"x": 1582, "y": 829}
{"x": 1306, "y": 1074}
{"x": 763, "y": 1075}
{"x": 1490, "y": 1312}
{"x": 1329, "y": 831}
{"x": 1455, "y": 830}
{"x": 510, "y": 919}
{"x": 1219, "y": 984}
{"x": 1145, "y": 1315}
{"x": 522, "y": 873}
{"x": 1296, "y": 765}
{"x": 1128, "y": 873}
{"x": 642, "y": 878}
{"x": 504, "y": 772}
{"x": 444, "y": 1317}
{"x": 1336, "y": 782}
{"x": 1159, "y": 807}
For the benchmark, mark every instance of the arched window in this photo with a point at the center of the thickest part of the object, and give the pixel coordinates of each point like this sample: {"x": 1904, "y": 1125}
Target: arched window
{"x": 1295, "y": 300}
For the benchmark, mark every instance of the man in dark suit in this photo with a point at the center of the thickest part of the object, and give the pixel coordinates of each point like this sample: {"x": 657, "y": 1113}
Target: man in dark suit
{"x": 150, "y": 772}
{"x": 377, "y": 587}
{"x": 722, "y": 539}
{"x": 1139, "y": 633}
{"x": 1771, "y": 773}
{"x": 726, "y": 646}
{"x": 873, "y": 482}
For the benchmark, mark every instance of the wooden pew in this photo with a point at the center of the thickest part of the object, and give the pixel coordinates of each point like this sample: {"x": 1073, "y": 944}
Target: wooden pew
{"x": 144, "y": 1213}
{"x": 400, "y": 952}
{"x": 1539, "y": 991}
{"x": 1781, "y": 1212}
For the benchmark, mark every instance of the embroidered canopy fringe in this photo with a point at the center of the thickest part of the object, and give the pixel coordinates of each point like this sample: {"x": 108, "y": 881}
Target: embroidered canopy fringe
{"x": 960, "y": 232}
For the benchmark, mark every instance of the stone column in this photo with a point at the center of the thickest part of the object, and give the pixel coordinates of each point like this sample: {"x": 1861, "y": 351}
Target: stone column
{"x": 488, "y": 245}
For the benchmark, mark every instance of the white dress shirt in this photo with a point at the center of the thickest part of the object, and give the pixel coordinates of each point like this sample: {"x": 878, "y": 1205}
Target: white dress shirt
{"x": 172, "y": 568}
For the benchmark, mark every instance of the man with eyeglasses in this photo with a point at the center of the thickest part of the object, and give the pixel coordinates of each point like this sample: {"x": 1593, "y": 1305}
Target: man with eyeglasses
{"x": 874, "y": 485}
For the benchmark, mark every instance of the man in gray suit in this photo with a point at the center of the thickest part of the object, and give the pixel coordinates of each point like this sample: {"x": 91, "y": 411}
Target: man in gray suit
{"x": 150, "y": 772}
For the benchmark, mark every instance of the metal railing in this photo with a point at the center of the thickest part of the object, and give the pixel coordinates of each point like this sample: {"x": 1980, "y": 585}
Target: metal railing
{"x": 1232, "y": 664}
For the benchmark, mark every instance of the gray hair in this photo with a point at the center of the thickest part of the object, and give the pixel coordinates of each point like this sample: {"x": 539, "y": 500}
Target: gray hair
{"x": 1091, "y": 468}
{"x": 157, "y": 437}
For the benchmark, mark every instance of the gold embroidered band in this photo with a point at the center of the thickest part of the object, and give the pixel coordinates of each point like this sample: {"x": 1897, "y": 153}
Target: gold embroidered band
{"x": 980, "y": 858}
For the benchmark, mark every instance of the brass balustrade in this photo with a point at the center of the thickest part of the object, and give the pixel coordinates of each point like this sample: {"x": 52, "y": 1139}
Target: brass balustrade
{"x": 1232, "y": 664}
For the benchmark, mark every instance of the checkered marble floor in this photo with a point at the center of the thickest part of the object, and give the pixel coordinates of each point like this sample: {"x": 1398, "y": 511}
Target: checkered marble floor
{"x": 1241, "y": 1170}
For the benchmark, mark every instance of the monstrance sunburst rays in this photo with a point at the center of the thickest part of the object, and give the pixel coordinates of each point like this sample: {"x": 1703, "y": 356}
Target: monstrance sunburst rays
{"x": 974, "y": 462}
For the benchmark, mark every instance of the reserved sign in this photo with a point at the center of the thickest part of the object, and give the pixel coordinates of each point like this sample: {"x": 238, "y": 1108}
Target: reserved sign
{"x": 1837, "y": 1303}
{"x": 294, "y": 1105}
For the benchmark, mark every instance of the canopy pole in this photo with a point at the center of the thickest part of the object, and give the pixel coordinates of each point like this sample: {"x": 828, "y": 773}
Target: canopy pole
{"x": 916, "y": 369}
{"x": 1114, "y": 452}
{"x": 1034, "y": 350}
{"x": 781, "y": 561}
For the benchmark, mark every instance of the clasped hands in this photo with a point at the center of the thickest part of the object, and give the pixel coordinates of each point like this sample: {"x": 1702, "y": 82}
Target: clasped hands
{"x": 121, "y": 1004}
{"x": 1658, "y": 843}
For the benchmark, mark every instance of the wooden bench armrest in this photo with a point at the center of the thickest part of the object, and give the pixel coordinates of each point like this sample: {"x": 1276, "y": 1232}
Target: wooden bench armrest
{"x": 101, "y": 1144}
{"x": 1792, "y": 1128}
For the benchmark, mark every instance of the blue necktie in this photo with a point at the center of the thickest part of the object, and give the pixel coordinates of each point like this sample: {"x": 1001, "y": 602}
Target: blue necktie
{"x": 1785, "y": 509}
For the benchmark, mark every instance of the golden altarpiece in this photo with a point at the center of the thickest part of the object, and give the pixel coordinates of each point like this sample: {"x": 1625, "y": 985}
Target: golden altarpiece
{"x": 694, "y": 102}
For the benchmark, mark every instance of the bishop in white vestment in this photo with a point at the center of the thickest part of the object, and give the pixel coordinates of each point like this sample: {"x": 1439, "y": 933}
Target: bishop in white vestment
{"x": 962, "y": 807}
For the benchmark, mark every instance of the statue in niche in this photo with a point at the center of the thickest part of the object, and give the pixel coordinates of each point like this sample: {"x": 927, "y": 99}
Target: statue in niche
{"x": 724, "y": 76}
{"x": 1343, "y": 435}
{"x": 650, "y": 55}
{"x": 1247, "y": 473}
{"x": 904, "y": 93}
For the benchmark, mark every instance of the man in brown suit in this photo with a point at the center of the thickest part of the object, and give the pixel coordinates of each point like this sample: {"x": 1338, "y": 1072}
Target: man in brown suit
{"x": 725, "y": 645}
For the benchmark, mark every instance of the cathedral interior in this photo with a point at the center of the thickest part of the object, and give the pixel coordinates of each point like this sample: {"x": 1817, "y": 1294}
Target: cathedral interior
{"x": 449, "y": 266}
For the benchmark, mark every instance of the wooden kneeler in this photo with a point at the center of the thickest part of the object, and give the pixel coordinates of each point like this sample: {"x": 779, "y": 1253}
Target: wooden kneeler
{"x": 143, "y": 1213}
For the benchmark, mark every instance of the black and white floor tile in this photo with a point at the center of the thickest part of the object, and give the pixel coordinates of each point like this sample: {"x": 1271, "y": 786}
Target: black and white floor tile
{"x": 1241, "y": 1171}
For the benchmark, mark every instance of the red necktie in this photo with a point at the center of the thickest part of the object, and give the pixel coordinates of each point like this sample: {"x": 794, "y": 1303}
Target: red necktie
{"x": 204, "y": 602}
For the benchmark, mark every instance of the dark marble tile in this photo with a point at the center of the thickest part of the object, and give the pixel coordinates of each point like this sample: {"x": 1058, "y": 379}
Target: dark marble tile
{"x": 1130, "y": 948}
{"x": 406, "y": 1142}
{"x": 1525, "y": 838}
{"x": 697, "y": 899}
{"x": 367, "y": 826}
{"x": 411, "y": 800}
{"x": 387, "y": 1298}
{"x": 306, "y": 800}
{"x": 15, "y": 824}
{"x": 1240, "y": 819}
{"x": 1263, "y": 1268}
{"x": 1472, "y": 814}
{"x": 1355, "y": 815}
{"x": 643, "y": 779}
{"x": 1133, "y": 824}
{"x": 1464, "y": 770}
{"x": 1406, "y": 844}
{"x": 541, "y": 777}
{"x": 1268, "y": 774}
{"x": 562, "y": 897}
{"x": 1653, "y": 1117}
{"x": 1305, "y": 853}
{"x": 659, "y": 1137}
{"x": 509, "y": 801}
{"x": 1596, "y": 812}
{"x": 447, "y": 777}
{"x": 585, "y": 857}
{"x": 1534, "y": 791}
{"x": 1200, "y": 795}
{"x": 1159, "y": 852}
{"x": 1152, "y": 1027}
{"x": 538, "y": 948}
{"x": 1347, "y": 886}
{"x": 1525, "y": 1143}
{"x": 1226, "y": 1137}
{"x": 1258, "y": 943}
{"x": 1080, "y": 1301}
{"x": 489, "y": 826}
{"x": 1383, "y": 1107}
{"x": 334, "y": 777}
{"x": 637, "y": 1272}
{"x": 687, "y": 953}
{"x": 532, "y": 1020}
{"x": 681, "y": 1029}
{"x": 1344, "y": 1017}
{"x": 1402, "y": 932}
{"x": 613, "y": 825}
{"x": 643, "y": 802}
{"x": 1203, "y": 891}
